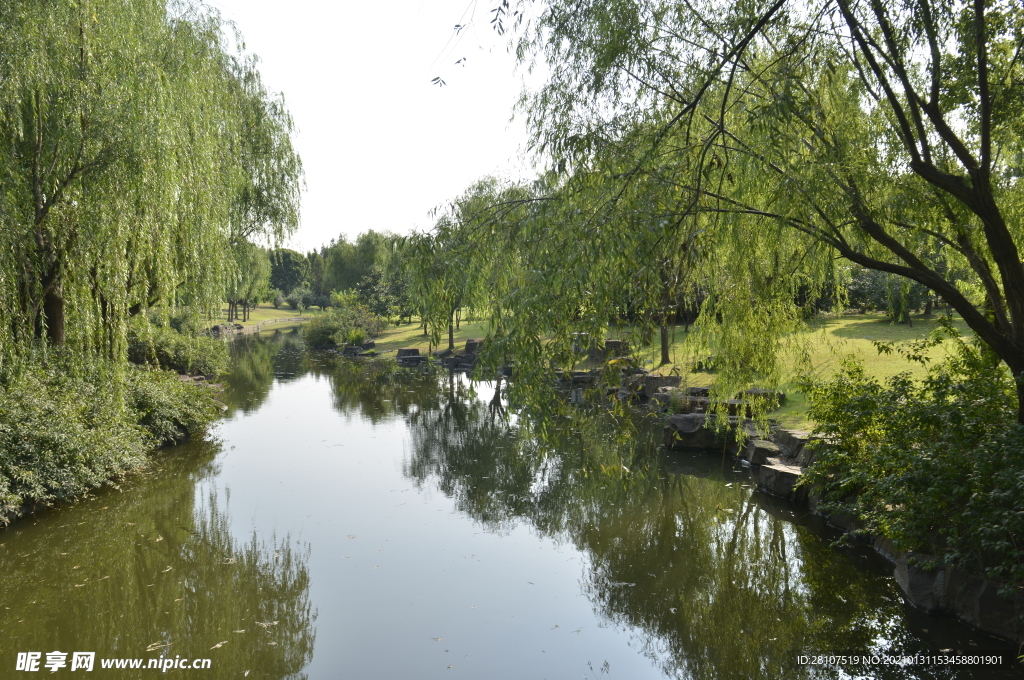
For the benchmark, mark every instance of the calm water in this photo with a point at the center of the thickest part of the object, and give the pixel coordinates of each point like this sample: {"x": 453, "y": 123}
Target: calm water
{"x": 350, "y": 521}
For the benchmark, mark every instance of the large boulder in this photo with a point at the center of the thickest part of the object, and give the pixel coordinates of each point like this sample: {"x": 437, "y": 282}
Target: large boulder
{"x": 780, "y": 479}
{"x": 649, "y": 385}
{"x": 408, "y": 352}
{"x": 697, "y": 431}
{"x": 473, "y": 346}
{"x": 758, "y": 451}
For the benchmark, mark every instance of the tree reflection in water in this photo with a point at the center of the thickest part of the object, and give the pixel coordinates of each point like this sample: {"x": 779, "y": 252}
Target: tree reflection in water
{"x": 147, "y": 573}
{"x": 710, "y": 578}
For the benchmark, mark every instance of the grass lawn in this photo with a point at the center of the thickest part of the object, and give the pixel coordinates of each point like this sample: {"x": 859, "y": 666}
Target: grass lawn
{"x": 827, "y": 342}
{"x": 411, "y": 335}
{"x": 266, "y": 312}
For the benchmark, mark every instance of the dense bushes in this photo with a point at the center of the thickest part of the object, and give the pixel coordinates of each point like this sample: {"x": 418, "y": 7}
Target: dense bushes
{"x": 66, "y": 428}
{"x": 167, "y": 348}
{"x": 350, "y": 324}
{"x": 935, "y": 465}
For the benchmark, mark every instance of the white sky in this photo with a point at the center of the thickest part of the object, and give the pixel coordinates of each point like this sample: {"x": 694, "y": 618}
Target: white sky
{"x": 382, "y": 146}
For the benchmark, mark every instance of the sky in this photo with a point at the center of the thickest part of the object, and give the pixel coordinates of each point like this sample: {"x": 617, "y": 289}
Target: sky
{"x": 380, "y": 144}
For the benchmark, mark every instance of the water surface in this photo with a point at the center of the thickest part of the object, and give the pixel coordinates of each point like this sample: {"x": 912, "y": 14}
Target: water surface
{"x": 351, "y": 520}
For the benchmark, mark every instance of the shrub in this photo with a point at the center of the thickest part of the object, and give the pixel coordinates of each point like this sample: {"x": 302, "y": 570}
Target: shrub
{"x": 67, "y": 427}
{"x": 343, "y": 325}
{"x": 935, "y": 465}
{"x": 169, "y": 409}
{"x": 278, "y": 298}
{"x": 356, "y": 336}
{"x": 166, "y": 348}
{"x": 320, "y": 331}
{"x": 300, "y": 298}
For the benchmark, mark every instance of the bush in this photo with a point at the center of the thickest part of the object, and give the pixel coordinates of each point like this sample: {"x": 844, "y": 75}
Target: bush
{"x": 343, "y": 325}
{"x": 169, "y": 409}
{"x": 166, "y": 348}
{"x": 300, "y": 298}
{"x": 936, "y": 465}
{"x": 356, "y": 336}
{"x": 67, "y": 428}
{"x": 278, "y": 298}
{"x": 320, "y": 331}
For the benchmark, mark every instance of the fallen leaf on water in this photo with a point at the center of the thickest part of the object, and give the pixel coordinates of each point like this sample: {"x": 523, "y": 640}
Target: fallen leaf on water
{"x": 271, "y": 643}
{"x": 103, "y": 577}
{"x": 166, "y": 570}
{"x": 673, "y": 610}
{"x": 157, "y": 645}
{"x": 556, "y": 626}
{"x": 179, "y": 599}
{"x": 436, "y": 639}
{"x": 351, "y": 536}
{"x": 238, "y": 631}
{"x": 268, "y": 623}
{"x": 219, "y": 644}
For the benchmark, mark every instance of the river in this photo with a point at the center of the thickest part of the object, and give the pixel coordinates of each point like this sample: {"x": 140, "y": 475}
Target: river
{"x": 351, "y": 520}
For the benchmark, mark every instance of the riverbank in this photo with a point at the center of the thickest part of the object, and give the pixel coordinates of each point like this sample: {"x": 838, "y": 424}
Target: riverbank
{"x": 70, "y": 426}
{"x": 777, "y": 464}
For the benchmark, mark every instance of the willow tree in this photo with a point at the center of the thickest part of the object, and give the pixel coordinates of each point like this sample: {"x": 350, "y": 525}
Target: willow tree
{"x": 878, "y": 133}
{"x": 119, "y": 133}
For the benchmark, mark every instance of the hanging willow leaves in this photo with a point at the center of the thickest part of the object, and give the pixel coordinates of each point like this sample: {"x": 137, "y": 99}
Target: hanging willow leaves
{"x": 133, "y": 147}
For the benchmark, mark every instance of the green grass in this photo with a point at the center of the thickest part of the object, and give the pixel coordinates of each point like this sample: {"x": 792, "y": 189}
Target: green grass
{"x": 265, "y": 312}
{"x": 411, "y": 335}
{"x": 825, "y": 342}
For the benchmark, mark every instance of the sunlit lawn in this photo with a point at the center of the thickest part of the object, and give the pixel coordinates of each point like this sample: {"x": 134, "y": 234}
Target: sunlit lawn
{"x": 266, "y": 312}
{"x": 827, "y": 342}
{"x": 411, "y": 335}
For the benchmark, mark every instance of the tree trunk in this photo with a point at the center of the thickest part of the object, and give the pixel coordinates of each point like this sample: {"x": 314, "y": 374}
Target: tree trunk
{"x": 451, "y": 332}
{"x": 665, "y": 359}
{"x": 53, "y": 311}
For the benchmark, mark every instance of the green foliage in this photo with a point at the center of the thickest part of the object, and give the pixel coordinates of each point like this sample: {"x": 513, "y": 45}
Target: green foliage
{"x": 342, "y": 325}
{"x": 135, "y": 148}
{"x": 166, "y": 348}
{"x": 870, "y": 289}
{"x": 300, "y": 298}
{"x": 345, "y": 264}
{"x": 68, "y": 427}
{"x": 356, "y": 336}
{"x": 277, "y": 297}
{"x": 169, "y": 409}
{"x": 288, "y": 269}
{"x": 936, "y": 465}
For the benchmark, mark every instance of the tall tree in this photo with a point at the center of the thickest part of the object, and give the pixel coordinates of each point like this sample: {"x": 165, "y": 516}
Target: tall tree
{"x": 288, "y": 269}
{"x": 119, "y": 137}
{"x": 874, "y": 132}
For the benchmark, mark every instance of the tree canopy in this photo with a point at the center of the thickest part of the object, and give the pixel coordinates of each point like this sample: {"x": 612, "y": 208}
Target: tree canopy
{"x": 777, "y": 144}
{"x": 135, "y": 147}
